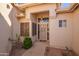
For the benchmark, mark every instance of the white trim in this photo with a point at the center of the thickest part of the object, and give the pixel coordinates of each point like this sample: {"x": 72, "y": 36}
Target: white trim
{"x": 4, "y": 54}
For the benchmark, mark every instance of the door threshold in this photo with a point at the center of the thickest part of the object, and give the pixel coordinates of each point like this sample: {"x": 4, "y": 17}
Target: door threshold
{"x": 43, "y": 40}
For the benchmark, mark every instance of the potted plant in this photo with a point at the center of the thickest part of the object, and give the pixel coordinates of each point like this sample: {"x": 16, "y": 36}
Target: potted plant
{"x": 27, "y": 43}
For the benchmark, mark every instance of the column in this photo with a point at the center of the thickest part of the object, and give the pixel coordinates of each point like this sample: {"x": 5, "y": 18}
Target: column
{"x": 28, "y": 18}
{"x": 52, "y": 25}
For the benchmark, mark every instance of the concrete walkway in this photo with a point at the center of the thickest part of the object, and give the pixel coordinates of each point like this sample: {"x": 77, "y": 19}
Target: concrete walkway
{"x": 38, "y": 49}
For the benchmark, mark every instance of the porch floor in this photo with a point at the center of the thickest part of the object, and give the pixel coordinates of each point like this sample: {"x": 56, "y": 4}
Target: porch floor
{"x": 38, "y": 49}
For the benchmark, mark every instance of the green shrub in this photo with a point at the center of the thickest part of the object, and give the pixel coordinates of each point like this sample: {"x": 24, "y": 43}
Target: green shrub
{"x": 27, "y": 43}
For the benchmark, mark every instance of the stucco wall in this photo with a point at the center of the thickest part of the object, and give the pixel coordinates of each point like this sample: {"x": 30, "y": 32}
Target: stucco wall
{"x": 15, "y": 23}
{"x": 4, "y": 34}
{"x": 9, "y": 26}
{"x": 5, "y": 29}
{"x": 61, "y": 37}
{"x": 75, "y": 42}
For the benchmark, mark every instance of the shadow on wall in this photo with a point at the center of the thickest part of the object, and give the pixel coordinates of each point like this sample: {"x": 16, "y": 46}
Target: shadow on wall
{"x": 4, "y": 34}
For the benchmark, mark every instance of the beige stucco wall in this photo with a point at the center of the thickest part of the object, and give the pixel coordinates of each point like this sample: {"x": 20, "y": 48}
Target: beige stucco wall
{"x": 68, "y": 36}
{"x": 60, "y": 37}
{"x": 15, "y": 23}
{"x": 5, "y": 29}
{"x": 75, "y": 45}
{"x": 9, "y": 26}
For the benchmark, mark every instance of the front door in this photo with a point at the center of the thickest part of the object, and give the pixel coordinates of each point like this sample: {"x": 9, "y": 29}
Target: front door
{"x": 43, "y": 31}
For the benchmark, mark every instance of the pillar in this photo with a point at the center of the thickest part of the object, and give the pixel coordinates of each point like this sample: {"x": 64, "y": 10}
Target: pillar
{"x": 52, "y": 20}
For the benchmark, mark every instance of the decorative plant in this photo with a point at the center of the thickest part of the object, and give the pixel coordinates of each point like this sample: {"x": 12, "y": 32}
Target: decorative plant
{"x": 17, "y": 37}
{"x": 27, "y": 43}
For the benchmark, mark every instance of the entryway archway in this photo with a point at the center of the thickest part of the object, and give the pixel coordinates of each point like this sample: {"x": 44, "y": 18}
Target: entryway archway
{"x": 42, "y": 21}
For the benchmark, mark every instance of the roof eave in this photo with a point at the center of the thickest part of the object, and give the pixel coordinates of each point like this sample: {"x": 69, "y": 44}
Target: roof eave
{"x": 23, "y": 6}
{"x": 71, "y": 9}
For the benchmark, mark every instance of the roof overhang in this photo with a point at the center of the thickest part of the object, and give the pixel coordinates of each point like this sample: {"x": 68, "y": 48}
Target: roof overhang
{"x": 69, "y": 9}
{"x": 26, "y": 5}
{"x": 22, "y": 7}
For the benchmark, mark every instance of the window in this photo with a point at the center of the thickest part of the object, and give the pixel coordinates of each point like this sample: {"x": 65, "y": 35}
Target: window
{"x": 24, "y": 29}
{"x": 39, "y": 19}
{"x": 62, "y": 23}
{"x": 34, "y": 29}
{"x": 45, "y": 19}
